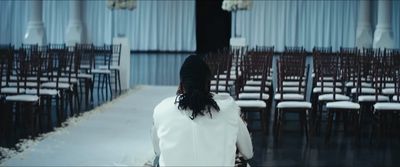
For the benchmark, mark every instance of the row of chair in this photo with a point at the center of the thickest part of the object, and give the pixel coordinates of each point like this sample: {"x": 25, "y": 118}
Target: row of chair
{"x": 346, "y": 83}
{"x": 33, "y": 77}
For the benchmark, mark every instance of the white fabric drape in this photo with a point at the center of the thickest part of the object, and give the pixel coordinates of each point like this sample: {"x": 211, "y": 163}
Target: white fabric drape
{"x": 304, "y": 23}
{"x": 162, "y": 25}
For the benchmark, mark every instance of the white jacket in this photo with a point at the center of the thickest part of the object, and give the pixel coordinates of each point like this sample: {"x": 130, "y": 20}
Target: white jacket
{"x": 204, "y": 141}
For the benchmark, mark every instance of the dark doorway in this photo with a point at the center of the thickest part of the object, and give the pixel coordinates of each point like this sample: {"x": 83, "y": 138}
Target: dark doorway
{"x": 213, "y": 26}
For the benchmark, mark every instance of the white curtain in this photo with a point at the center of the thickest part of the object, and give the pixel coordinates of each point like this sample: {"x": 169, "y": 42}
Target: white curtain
{"x": 162, "y": 25}
{"x": 304, "y": 23}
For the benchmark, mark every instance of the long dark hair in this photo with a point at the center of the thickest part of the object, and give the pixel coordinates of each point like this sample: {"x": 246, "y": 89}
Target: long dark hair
{"x": 194, "y": 90}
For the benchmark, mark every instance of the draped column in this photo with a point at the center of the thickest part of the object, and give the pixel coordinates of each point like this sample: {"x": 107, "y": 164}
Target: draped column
{"x": 364, "y": 30}
{"x": 383, "y": 36}
{"x": 35, "y": 33}
{"x": 74, "y": 33}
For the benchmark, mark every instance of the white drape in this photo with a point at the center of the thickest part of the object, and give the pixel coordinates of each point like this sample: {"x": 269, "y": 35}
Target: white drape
{"x": 163, "y": 25}
{"x": 304, "y": 23}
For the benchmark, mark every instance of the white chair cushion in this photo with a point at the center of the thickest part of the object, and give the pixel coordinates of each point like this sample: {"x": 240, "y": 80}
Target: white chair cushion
{"x": 54, "y": 84}
{"x": 387, "y": 106}
{"x": 294, "y": 104}
{"x": 326, "y": 90}
{"x": 329, "y": 97}
{"x": 112, "y": 67}
{"x": 84, "y": 66}
{"x": 49, "y": 92}
{"x": 259, "y": 77}
{"x": 22, "y": 98}
{"x": 289, "y": 96}
{"x": 395, "y": 98}
{"x": 86, "y": 76}
{"x": 11, "y": 90}
{"x": 372, "y": 98}
{"x": 65, "y": 79}
{"x": 293, "y": 83}
{"x": 251, "y": 103}
{"x": 222, "y": 82}
{"x": 388, "y": 91}
{"x": 28, "y": 84}
{"x": 224, "y": 76}
{"x": 363, "y": 84}
{"x": 291, "y": 89}
{"x": 329, "y": 84}
{"x": 253, "y": 96}
{"x": 220, "y": 87}
{"x": 343, "y": 105}
{"x": 257, "y": 82}
{"x": 364, "y": 90}
{"x": 101, "y": 71}
{"x": 248, "y": 88}
{"x": 223, "y": 93}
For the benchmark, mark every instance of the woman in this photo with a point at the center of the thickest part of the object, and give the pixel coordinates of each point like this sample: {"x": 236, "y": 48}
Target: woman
{"x": 197, "y": 128}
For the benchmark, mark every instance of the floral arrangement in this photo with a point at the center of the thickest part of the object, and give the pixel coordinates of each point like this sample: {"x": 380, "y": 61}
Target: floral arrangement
{"x": 121, "y": 4}
{"x": 234, "y": 5}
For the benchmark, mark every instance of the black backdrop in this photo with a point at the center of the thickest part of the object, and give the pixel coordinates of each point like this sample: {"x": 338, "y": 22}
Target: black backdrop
{"x": 213, "y": 26}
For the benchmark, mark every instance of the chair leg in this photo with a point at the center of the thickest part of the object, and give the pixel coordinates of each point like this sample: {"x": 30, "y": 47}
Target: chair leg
{"x": 119, "y": 81}
{"x": 329, "y": 126}
{"x": 109, "y": 84}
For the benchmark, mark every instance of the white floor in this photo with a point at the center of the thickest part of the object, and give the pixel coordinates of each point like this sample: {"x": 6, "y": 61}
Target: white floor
{"x": 115, "y": 134}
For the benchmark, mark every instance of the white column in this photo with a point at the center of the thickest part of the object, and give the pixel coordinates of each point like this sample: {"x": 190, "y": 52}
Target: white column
{"x": 74, "y": 33}
{"x": 35, "y": 33}
{"x": 364, "y": 30}
{"x": 125, "y": 65}
{"x": 383, "y": 36}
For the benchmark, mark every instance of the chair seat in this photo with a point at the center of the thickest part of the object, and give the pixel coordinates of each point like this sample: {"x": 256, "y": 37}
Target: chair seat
{"x": 251, "y": 103}
{"x": 223, "y": 93}
{"x": 363, "y": 84}
{"x": 248, "y": 88}
{"x": 53, "y": 85}
{"x": 290, "y": 89}
{"x": 220, "y": 87}
{"x": 28, "y": 84}
{"x": 329, "y": 97}
{"x": 42, "y": 79}
{"x": 326, "y": 90}
{"x": 387, "y": 106}
{"x": 23, "y": 98}
{"x": 253, "y": 96}
{"x": 388, "y": 91}
{"x": 48, "y": 92}
{"x": 11, "y": 90}
{"x": 222, "y": 82}
{"x": 330, "y": 84}
{"x": 343, "y": 105}
{"x": 293, "y": 83}
{"x": 364, "y": 90}
{"x": 395, "y": 98}
{"x": 112, "y": 67}
{"x": 258, "y": 77}
{"x": 85, "y": 76}
{"x": 372, "y": 98}
{"x": 257, "y": 82}
{"x": 224, "y": 76}
{"x": 289, "y": 96}
{"x": 84, "y": 66}
{"x": 101, "y": 71}
{"x": 294, "y": 104}
{"x": 65, "y": 79}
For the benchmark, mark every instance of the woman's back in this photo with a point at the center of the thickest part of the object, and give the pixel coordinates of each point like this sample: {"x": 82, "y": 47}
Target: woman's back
{"x": 208, "y": 140}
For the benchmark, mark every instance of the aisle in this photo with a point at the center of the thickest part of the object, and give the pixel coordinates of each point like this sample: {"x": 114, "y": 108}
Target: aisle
{"x": 115, "y": 134}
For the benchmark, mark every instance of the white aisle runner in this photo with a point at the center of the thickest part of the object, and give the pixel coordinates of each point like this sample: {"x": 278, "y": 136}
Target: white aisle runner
{"x": 115, "y": 134}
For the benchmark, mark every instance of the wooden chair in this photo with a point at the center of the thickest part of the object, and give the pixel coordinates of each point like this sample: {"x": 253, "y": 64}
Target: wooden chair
{"x": 292, "y": 66}
{"x": 257, "y": 100}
